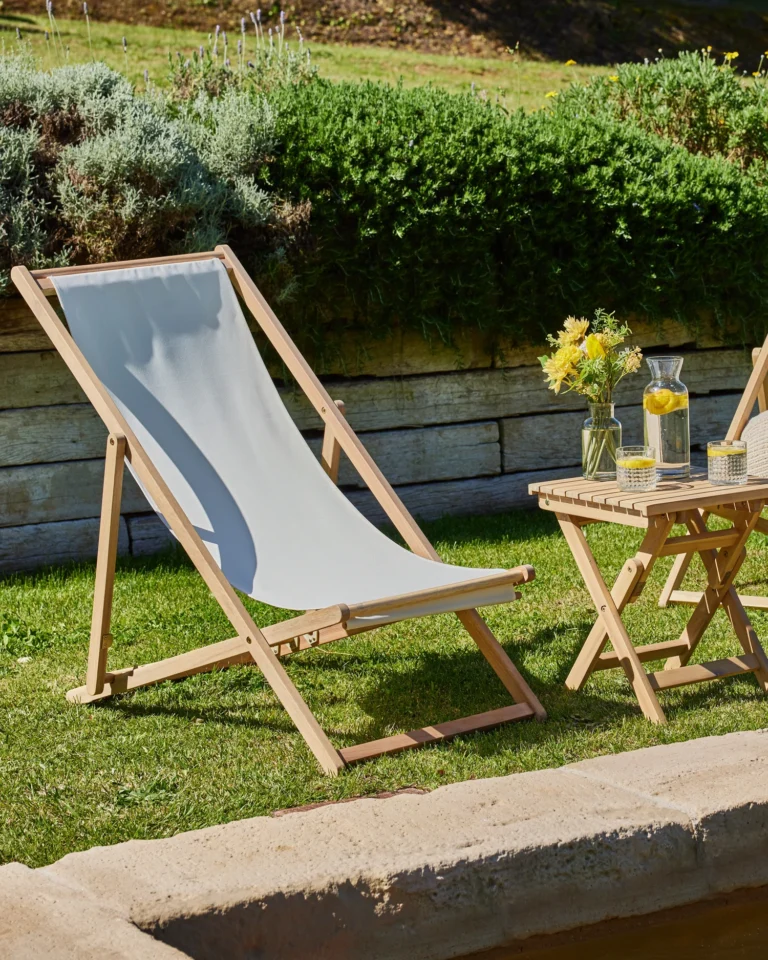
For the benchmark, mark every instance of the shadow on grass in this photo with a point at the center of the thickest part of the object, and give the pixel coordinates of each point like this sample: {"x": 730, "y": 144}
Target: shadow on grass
{"x": 433, "y": 687}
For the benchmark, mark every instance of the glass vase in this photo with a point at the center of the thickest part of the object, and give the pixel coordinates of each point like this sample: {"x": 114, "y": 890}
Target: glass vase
{"x": 600, "y": 439}
{"x": 665, "y": 416}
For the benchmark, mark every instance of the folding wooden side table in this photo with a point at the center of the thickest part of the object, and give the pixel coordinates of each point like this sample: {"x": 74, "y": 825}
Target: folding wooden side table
{"x": 579, "y": 502}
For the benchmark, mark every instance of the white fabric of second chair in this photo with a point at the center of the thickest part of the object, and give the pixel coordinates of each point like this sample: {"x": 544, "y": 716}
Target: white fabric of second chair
{"x": 756, "y": 436}
{"x": 171, "y": 345}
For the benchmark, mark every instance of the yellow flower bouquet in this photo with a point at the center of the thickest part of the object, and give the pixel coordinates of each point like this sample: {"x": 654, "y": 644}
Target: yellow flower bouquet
{"x": 589, "y": 359}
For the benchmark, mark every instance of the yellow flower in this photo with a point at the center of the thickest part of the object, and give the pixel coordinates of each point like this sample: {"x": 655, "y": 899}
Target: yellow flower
{"x": 561, "y": 365}
{"x": 613, "y": 78}
{"x": 732, "y": 55}
{"x": 755, "y": 73}
{"x": 573, "y": 331}
{"x": 594, "y": 347}
{"x": 568, "y": 355}
{"x": 551, "y": 93}
{"x": 570, "y": 63}
{"x": 709, "y": 48}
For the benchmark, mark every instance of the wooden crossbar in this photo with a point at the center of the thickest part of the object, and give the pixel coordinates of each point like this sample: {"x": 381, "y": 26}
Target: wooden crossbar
{"x": 441, "y": 731}
{"x": 649, "y": 651}
{"x": 250, "y": 642}
{"x": 692, "y": 597}
{"x": 694, "y": 542}
{"x": 699, "y": 672}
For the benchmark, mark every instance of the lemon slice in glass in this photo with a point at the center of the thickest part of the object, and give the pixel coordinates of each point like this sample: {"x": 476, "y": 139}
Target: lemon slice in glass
{"x": 636, "y": 463}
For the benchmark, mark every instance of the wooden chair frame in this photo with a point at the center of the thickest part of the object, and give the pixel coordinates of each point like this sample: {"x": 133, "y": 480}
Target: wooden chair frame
{"x": 251, "y": 644}
{"x": 754, "y": 392}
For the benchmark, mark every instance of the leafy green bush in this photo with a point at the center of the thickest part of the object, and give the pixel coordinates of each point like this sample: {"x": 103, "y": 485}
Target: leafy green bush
{"x": 440, "y": 210}
{"x": 90, "y": 171}
{"x": 704, "y": 106}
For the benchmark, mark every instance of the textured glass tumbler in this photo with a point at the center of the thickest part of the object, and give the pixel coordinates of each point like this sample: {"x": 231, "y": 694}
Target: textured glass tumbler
{"x": 727, "y": 463}
{"x": 636, "y": 469}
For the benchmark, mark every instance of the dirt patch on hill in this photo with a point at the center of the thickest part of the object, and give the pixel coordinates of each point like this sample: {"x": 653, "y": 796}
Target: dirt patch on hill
{"x": 590, "y": 31}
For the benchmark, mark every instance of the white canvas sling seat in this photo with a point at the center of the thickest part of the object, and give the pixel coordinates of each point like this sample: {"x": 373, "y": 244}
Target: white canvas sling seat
{"x": 164, "y": 352}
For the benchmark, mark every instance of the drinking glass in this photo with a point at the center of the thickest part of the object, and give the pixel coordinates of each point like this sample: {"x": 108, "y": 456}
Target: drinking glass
{"x": 636, "y": 468}
{"x": 727, "y": 462}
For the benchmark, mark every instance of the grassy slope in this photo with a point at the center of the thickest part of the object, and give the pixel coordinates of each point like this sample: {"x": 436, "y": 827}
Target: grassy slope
{"x": 521, "y": 83}
{"x": 217, "y": 747}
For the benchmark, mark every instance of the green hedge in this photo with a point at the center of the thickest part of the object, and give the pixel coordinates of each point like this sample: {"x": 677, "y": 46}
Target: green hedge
{"x": 367, "y": 205}
{"x": 440, "y": 210}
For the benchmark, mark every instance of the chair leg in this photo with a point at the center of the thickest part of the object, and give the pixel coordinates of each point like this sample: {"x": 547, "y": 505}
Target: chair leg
{"x": 109, "y": 530}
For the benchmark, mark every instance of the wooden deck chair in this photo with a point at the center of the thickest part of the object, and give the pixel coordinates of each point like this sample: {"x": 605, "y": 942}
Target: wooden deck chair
{"x": 755, "y": 431}
{"x": 162, "y": 350}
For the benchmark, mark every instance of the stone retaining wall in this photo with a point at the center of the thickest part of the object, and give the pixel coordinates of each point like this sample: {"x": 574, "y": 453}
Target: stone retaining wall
{"x": 458, "y": 430}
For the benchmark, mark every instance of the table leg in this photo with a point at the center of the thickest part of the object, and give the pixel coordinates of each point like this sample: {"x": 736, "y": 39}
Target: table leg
{"x": 677, "y": 573}
{"x": 628, "y": 585}
{"x": 609, "y": 614}
{"x": 722, "y": 567}
{"x": 733, "y": 607}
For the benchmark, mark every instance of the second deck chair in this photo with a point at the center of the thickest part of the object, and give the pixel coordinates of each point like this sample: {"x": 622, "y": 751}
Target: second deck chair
{"x": 162, "y": 350}
{"x": 755, "y": 431}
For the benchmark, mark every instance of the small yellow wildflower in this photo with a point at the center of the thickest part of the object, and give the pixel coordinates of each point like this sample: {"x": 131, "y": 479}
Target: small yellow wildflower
{"x": 632, "y": 360}
{"x": 709, "y": 48}
{"x": 593, "y": 347}
{"x": 551, "y": 93}
{"x": 755, "y": 73}
{"x": 731, "y": 56}
{"x": 570, "y": 63}
{"x": 573, "y": 331}
{"x": 613, "y": 78}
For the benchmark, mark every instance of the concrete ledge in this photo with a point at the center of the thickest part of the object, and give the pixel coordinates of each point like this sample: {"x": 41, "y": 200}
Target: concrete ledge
{"x": 466, "y": 868}
{"x": 42, "y": 917}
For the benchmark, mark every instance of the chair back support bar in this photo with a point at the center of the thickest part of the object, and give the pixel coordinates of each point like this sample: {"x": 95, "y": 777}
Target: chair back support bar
{"x": 753, "y": 391}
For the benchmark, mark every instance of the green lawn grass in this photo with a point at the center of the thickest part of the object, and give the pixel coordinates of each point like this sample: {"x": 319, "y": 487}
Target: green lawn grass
{"x": 518, "y": 82}
{"x": 218, "y": 747}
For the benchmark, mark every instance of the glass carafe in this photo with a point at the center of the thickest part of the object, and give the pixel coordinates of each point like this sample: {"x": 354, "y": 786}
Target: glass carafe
{"x": 600, "y": 439}
{"x": 665, "y": 412}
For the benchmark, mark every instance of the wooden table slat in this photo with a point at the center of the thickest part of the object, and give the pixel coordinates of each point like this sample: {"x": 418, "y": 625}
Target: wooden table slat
{"x": 671, "y": 496}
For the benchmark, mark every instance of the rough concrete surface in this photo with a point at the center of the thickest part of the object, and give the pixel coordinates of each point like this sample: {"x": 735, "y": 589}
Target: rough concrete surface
{"x": 43, "y": 918}
{"x": 468, "y": 867}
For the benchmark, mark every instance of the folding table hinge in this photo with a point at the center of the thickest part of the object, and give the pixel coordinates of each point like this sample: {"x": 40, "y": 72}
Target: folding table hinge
{"x": 312, "y": 638}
